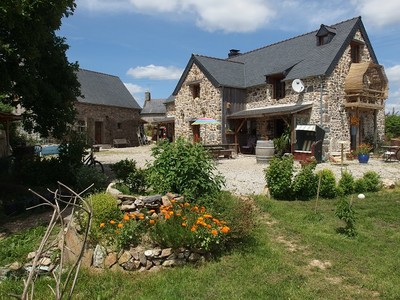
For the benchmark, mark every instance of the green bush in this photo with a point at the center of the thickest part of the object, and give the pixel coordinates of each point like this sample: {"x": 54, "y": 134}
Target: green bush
{"x": 85, "y": 176}
{"x": 328, "y": 184}
{"x": 373, "y": 181}
{"x": 305, "y": 183}
{"x": 105, "y": 209}
{"x": 129, "y": 175}
{"x": 345, "y": 212}
{"x": 360, "y": 186}
{"x": 184, "y": 168}
{"x": 278, "y": 176}
{"x": 346, "y": 183}
{"x": 392, "y": 125}
{"x": 72, "y": 150}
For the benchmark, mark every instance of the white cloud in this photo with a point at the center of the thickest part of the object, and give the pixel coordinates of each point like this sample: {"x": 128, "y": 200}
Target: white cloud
{"x": 379, "y": 12}
{"x": 156, "y": 72}
{"x": 209, "y": 15}
{"x": 137, "y": 92}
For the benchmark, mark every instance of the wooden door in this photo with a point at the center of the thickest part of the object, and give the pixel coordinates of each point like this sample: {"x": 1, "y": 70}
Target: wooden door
{"x": 98, "y": 130}
{"x": 196, "y": 133}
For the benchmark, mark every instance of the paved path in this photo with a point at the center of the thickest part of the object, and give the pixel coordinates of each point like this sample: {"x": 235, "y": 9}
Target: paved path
{"x": 245, "y": 176}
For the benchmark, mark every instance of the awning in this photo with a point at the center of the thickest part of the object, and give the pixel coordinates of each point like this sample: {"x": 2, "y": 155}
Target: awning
{"x": 159, "y": 120}
{"x": 273, "y": 110}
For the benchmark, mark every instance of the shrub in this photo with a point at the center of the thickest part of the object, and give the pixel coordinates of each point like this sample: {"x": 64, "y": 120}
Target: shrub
{"x": 85, "y": 176}
{"x": 346, "y": 183}
{"x": 184, "y": 168}
{"x": 344, "y": 211}
{"x": 105, "y": 209}
{"x": 360, "y": 186}
{"x": 373, "y": 181}
{"x": 72, "y": 150}
{"x": 129, "y": 175}
{"x": 279, "y": 177}
{"x": 305, "y": 183}
{"x": 328, "y": 184}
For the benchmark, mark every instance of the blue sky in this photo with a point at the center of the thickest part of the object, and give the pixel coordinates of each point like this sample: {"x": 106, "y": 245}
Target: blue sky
{"x": 147, "y": 43}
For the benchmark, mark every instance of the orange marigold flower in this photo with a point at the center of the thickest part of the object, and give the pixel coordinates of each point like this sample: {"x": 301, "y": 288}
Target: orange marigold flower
{"x": 184, "y": 218}
{"x": 184, "y": 224}
{"x": 102, "y": 225}
{"x": 216, "y": 221}
{"x": 187, "y": 204}
{"x": 207, "y": 216}
{"x": 133, "y": 216}
{"x": 203, "y": 209}
{"x": 112, "y": 222}
{"x": 171, "y": 212}
{"x": 209, "y": 226}
{"x": 178, "y": 214}
{"x": 141, "y": 217}
{"x": 120, "y": 225}
{"x": 225, "y": 229}
{"x": 173, "y": 201}
{"x": 126, "y": 217}
{"x": 152, "y": 222}
{"x": 200, "y": 219}
{"x": 117, "y": 231}
{"x": 151, "y": 211}
{"x": 214, "y": 232}
{"x": 193, "y": 228}
{"x": 167, "y": 216}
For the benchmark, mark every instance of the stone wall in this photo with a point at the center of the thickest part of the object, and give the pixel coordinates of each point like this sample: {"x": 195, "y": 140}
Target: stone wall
{"x": 207, "y": 105}
{"x": 116, "y": 122}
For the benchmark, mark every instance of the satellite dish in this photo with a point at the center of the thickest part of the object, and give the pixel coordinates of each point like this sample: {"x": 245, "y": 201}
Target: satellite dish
{"x": 298, "y": 85}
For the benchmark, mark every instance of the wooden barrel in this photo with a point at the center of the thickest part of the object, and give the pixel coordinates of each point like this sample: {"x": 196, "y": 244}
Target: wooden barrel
{"x": 264, "y": 151}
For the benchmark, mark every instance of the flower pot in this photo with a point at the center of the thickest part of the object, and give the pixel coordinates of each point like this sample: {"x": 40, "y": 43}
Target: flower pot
{"x": 363, "y": 158}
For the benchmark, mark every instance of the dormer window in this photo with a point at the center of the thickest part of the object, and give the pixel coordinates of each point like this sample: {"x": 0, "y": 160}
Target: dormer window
{"x": 325, "y": 35}
{"x": 356, "y": 49}
{"x": 195, "y": 90}
{"x": 278, "y": 86}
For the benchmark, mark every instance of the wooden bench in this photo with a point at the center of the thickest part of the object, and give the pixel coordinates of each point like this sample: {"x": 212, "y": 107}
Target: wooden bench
{"x": 218, "y": 151}
{"x": 119, "y": 143}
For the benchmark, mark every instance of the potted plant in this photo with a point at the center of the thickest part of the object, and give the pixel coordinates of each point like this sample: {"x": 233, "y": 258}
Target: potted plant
{"x": 362, "y": 152}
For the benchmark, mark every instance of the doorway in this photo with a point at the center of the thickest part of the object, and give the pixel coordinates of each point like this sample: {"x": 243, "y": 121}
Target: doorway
{"x": 98, "y": 132}
{"x": 196, "y": 133}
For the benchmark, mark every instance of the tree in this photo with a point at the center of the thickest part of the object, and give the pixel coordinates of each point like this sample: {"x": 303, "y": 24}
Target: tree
{"x": 34, "y": 70}
{"x": 392, "y": 125}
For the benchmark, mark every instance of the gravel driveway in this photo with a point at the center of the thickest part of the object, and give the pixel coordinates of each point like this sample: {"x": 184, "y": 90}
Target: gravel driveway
{"x": 244, "y": 175}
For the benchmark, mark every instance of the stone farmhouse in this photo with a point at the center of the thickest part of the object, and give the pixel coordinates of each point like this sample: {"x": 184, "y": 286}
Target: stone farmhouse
{"x": 107, "y": 111}
{"x": 329, "y": 77}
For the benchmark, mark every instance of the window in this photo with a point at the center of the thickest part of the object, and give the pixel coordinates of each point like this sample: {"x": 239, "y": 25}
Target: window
{"x": 355, "y": 52}
{"x": 81, "y": 126}
{"x": 119, "y": 125}
{"x": 278, "y": 88}
{"x": 195, "y": 88}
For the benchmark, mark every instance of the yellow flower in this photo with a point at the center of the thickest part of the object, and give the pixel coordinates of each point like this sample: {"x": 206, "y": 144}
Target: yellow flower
{"x": 152, "y": 222}
{"x": 102, "y": 225}
{"x": 214, "y": 232}
{"x": 112, "y": 222}
{"x": 120, "y": 225}
{"x": 184, "y": 224}
{"x": 126, "y": 217}
{"x": 193, "y": 228}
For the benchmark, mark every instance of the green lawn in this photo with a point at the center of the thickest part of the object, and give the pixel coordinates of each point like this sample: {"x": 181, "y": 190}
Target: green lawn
{"x": 294, "y": 254}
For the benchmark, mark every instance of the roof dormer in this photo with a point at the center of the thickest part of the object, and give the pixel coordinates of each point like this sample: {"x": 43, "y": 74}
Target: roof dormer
{"x": 325, "y": 34}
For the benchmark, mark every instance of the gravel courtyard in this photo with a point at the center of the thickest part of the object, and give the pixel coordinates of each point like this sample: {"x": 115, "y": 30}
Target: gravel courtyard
{"x": 244, "y": 175}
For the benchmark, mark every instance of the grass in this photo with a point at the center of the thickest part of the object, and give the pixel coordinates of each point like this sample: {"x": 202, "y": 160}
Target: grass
{"x": 277, "y": 264}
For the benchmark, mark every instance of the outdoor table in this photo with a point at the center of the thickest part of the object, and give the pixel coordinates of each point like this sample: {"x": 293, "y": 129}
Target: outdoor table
{"x": 391, "y": 152}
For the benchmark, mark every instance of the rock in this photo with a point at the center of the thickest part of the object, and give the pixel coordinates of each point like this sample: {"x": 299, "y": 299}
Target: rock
{"x": 132, "y": 265}
{"x": 110, "y": 260}
{"x": 139, "y": 203}
{"x": 99, "y": 255}
{"x": 127, "y": 198}
{"x": 156, "y": 252}
{"x": 45, "y": 261}
{"x": 149, "y": 253}
{"x": 130, "y": 207}
{"x": 128, "y": 202}
{"x": 194, "y": 257}
{"x": 155, "y": 269}
{"x": 135, "y": 253}
{"x": 149, "y": 264}
{"x": 388, "y": 184}
{"x": 171, "y": 195}
{"x": 4, "y": 272}
{"x": 31, "y": 255}
{"x": 166, "y": 201}
{"x": 166, "y": 252}
{"x": 142, "y": 258}
{"x": 168, "y": 263}
{"x": 125, "y": 257}
{"x": 15, "y": 266}
{"x": 73, "y": 245}
{"x": 87, "y": 258}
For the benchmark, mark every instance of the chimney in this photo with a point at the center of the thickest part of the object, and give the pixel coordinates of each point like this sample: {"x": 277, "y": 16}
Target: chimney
{"x": 147, "y": 96}
{"x": 233, "y": 52}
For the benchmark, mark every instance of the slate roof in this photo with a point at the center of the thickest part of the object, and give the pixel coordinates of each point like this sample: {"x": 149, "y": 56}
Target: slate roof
{"x": 298, "y": 57}
{"x": 154, "y": 106}
{"x": 104, "y": 89}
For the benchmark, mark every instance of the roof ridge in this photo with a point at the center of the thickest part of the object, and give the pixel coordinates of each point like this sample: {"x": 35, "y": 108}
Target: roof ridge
{"x": 292, "y": 38}
{"x": 101, "y": 73}
{"x": 217, "y": 58}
